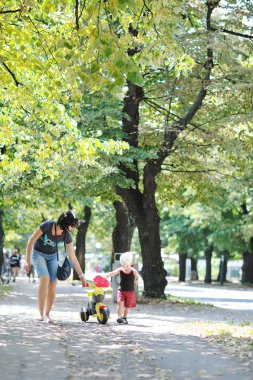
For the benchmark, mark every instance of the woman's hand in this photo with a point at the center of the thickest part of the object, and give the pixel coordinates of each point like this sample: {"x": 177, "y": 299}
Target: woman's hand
{"x": 85, "y": 284}
{"x": 27, "y": 267}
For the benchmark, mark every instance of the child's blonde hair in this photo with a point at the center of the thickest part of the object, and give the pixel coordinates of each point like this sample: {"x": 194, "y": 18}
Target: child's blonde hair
{"x": 126, "y": 258}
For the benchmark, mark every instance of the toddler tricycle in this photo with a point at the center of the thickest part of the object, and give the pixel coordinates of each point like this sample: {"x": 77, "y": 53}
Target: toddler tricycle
{"x": 95, "y": 306}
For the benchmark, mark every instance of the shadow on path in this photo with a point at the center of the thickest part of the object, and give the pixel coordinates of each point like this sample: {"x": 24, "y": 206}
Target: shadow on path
{"x": 154, "y": 345}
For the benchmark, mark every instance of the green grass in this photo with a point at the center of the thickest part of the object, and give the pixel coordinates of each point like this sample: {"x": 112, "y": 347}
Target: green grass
{"x": 171, "y": 300}
{"x": 185, "y": 301}
{"x": 235, "y": 337}
{"x": 4, "y": 289}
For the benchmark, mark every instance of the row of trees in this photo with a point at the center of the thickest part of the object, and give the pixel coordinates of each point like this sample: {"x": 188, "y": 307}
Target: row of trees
{"x": 222, "y": 230}
{"x": 142, "y": 104}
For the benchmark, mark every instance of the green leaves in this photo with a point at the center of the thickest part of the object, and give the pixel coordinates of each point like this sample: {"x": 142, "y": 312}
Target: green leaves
{"x": 63, "y": 88}
{"x": 184, "y": 65}
{"x": 136, "y": 78}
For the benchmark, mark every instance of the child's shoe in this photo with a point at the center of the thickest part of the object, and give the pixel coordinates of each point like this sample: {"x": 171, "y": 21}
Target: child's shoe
{"x": 125, "y": 321}
{"x": 120, "y": 320}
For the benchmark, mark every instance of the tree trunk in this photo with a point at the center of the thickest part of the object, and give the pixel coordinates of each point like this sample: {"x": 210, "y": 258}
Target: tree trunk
{"x": 123, "y": 232}
{"x": 142, "y": 205}
{"x": 143, "y": 208}
{"x": 194, "y": 269}
{"x": 153, "y": 267}
{"x": 1, "y": 240}
{"x": 222, "y": 276}
{"x": 247, "y": 268}
{"x": 182, "y": 267}
{"x": 140, "y": 197}
{"x": 80, "y": 240}
{"x": 208, "y": 256}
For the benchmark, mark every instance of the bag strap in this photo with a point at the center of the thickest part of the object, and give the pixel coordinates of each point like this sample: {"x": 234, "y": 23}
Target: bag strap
{"x": 57, "y": 243}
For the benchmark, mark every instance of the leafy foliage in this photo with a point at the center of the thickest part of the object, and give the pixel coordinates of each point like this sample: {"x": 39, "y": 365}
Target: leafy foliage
{"x": 64, "y": 70}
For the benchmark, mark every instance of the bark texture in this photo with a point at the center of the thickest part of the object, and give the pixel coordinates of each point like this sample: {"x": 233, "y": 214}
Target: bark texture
{"x": 208, "y": 256}
{"x": 1, "y": 240}
{"x": 247, "y": 268}
{"x": 182, "y": 267}
{"x": 80, "y": 240}
{"x": 123, "y": 232}
{"x": 194, "y": 269}
{"x": 222, "y": 276}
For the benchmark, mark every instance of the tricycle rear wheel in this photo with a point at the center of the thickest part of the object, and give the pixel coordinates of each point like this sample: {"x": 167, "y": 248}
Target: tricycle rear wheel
{"x": 84, "y": 314}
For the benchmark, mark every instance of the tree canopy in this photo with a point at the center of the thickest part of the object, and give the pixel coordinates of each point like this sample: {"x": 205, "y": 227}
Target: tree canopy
{"x": 68, "y": 69}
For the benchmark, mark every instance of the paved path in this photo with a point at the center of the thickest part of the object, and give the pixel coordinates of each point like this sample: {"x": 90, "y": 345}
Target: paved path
{"x": 155, "y": 344}
{"x": 229, "y": 296}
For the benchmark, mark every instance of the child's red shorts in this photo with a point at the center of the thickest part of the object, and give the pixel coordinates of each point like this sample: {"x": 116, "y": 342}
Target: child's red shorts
{"x": 128, "y": 297}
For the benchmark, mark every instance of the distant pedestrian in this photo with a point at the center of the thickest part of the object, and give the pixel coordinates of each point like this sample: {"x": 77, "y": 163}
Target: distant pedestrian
{"x": 22, "y": 264}
{"x": 15, "y": 264}
{"x": 126, "y": 297}
{"x": 42, "y": 250}
{"x": 6, "y": 263}
{"x": 31, "y": 274}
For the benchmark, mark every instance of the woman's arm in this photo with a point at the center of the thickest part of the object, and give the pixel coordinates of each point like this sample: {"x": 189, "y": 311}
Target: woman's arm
{"x": 37, "y": 233}
{"x": 76, "y": 265}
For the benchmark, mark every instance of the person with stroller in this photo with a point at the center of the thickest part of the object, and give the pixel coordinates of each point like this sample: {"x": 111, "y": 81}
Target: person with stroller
{"x": 126, "y": 297}
{"x": 15, "y": 264}
{"x": 42, "y": 250}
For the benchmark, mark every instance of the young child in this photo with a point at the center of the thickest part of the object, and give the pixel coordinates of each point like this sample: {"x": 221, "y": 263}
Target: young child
{"x": 129, "y": 276}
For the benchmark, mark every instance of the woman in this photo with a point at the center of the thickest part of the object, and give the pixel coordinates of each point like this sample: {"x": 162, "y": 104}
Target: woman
{"x": 42, "y": 249}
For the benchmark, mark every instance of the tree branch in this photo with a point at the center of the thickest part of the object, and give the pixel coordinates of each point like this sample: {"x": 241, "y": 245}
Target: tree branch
{"x": 20, "y": 10}
{"x": 82, "y": 9}
{"x": 76, "y": 14}
{"x": 192, "y": 171}
{"x": 172, "y": 133}
{"x": 12, "y": 11}
{"x": 231, "y": 32}
{"x": 160, "y": 108}
{"x": 17, "y": 83}
{"x": 204, "y": 171}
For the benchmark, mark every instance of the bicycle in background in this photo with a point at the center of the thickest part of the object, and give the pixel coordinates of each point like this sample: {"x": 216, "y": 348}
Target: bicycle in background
{"x": 6, "y": 270}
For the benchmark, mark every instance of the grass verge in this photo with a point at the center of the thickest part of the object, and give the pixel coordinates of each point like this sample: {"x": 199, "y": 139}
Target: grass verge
{"x": 171, "y": 300}
{"x": 235, "y": 337}
{"x": 4, "y": 289}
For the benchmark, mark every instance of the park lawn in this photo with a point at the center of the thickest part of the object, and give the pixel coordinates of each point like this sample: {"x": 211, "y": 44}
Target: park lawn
{"x": 4, "y": 289}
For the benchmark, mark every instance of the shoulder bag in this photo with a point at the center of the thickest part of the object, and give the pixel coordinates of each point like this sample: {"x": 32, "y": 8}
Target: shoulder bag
{"x": 64, "y": 270}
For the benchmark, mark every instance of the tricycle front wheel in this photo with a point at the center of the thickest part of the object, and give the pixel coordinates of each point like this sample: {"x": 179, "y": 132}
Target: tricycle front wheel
{"x": 103, "y": 317}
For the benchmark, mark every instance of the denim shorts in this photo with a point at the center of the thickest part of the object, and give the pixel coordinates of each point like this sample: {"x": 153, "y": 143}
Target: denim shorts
{"x": 45, "y": 264}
